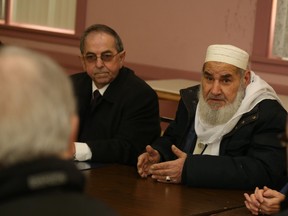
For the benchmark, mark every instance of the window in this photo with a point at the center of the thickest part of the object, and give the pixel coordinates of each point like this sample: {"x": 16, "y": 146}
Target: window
{"x": 280, "y": 41}
{"x": 2, "y": 5}
{"x": 53, "y": 15}
{"x": 262, "y": 58}
{"x": 46, "y": 20}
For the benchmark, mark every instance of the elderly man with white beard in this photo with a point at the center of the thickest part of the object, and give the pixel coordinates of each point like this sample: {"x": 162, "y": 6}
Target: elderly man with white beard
{"x": 225, "y": 134}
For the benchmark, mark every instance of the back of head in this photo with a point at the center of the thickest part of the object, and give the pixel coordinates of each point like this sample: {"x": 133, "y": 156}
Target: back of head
{"x": 36, "y": 106}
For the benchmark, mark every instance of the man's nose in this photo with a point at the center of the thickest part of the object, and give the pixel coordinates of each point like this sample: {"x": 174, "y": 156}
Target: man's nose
{"x": 216, "y": 88}
{"x": 99, "y": 62}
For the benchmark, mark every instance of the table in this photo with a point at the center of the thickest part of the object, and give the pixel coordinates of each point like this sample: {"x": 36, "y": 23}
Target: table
{"x": 121, "y": 187}
{"x": 234, "y": 212}
{"x": 168, "y": 89}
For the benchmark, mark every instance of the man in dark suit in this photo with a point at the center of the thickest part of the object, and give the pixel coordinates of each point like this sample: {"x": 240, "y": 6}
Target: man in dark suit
{"x": 37, "y": 131}
{"x": 125, "y": 116}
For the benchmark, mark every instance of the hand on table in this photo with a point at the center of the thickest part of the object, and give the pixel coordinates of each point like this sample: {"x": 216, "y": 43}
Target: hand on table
{"x": 264, "y": 201}
{"x": 145, "y": 160}
{"x": 170, "y": 171}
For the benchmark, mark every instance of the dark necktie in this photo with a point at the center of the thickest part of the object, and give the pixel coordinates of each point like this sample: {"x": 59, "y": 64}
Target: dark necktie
{"x": 95, "y": 99}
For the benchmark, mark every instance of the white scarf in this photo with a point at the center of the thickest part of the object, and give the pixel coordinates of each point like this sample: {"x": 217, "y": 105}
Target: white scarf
{"x": 256, "y": 91}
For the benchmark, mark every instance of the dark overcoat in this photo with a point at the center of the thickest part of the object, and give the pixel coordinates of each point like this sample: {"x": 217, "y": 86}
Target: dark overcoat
{"x": 125, "y": 120}
{"x": 250, "y": 155}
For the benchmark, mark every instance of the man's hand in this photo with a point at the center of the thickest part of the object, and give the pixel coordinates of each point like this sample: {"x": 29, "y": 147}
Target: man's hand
{"x": 264, "y": 201}
{"x": 170, "y": 171}
{"x": 145, "y": 160}
{"x": 252, "y": 203}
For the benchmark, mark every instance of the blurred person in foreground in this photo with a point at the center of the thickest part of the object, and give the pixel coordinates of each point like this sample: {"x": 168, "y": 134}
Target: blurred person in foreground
{"x": 225, "y": 134}
{"x": 37, "y": 131}
{"x": 119, "y": 112}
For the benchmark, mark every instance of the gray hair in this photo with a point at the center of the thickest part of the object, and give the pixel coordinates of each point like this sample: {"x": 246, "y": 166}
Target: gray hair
{"x": 36, "y": 106}
{"x": 101, "y": 28}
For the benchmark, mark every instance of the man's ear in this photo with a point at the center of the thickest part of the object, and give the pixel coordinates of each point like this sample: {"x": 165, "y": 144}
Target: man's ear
{"x": 247, "y": 77}
{"x": 122, "y": 56}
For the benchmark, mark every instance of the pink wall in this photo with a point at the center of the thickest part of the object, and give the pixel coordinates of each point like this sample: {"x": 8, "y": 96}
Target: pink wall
{"x": 175, "y": 34}
{"x": 163, "y": 38}
{"x": 166, "y": 38}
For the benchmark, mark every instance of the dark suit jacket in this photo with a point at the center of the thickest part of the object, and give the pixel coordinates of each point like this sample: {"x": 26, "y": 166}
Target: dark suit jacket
{"x": 125, "y": 120}
{"x": 250, "y": 155}
{"x": 47, "y": 186}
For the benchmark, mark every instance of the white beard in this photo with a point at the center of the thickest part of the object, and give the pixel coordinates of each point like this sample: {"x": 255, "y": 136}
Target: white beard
{"x": 257, "y": 91}
{"x": 222, "y": 115}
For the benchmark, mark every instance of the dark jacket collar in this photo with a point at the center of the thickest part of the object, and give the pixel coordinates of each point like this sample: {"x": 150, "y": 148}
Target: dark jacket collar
{"x": 39, "y": 176}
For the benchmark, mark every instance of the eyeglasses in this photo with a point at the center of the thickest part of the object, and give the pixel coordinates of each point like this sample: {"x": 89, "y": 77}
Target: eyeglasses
{"x": 105, "y": 57}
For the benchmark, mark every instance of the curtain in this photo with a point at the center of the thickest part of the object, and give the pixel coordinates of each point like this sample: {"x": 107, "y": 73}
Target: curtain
{"x": 2, "y": 7}
{"x": 280, "y": 42}
{"x": 48, "y": 13}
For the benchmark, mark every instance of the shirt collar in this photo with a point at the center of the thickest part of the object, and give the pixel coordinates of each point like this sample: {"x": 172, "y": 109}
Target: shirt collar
{"x": 102, "y": 90}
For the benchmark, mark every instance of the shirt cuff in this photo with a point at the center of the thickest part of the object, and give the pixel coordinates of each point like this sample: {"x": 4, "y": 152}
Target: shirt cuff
{"x": 83, "y": 152}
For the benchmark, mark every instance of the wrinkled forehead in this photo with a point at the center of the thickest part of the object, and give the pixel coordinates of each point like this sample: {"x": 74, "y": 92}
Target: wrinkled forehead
{"x": 99, "y": 40}
{"x": 214, "y": 67}
{"x": 101, "y": 36}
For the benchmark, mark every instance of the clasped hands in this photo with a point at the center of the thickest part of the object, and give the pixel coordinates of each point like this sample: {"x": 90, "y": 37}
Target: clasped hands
{"x": 166, "y": 172}
{"x": 264, "y": 201}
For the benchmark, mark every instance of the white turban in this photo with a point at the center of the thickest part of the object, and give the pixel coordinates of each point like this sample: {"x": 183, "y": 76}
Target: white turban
{"x": 228, "y": 54}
